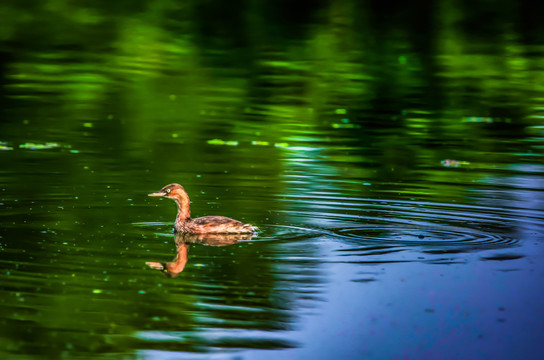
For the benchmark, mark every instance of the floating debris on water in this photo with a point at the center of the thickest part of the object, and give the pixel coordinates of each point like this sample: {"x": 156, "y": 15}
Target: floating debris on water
{"x": 4, "y": 146}
{"x": 223, "y": 142}
{"x": 486, "y": 120}
{"x": 254, "y": 143}
{"x": 453, "y": 163}
{"x": 345, "y": 125}
{"x": 46, "y": 146}
{"x": 477, "y": 119}
{"x": 34, "y": 146}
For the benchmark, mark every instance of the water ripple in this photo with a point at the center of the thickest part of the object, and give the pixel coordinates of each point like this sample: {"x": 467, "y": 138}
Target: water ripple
{"x": 421, "y": 236}
{"x": 405, "y": 223}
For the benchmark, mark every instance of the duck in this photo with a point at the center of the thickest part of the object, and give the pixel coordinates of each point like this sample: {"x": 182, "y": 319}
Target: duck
{"x": 202, "y": 225}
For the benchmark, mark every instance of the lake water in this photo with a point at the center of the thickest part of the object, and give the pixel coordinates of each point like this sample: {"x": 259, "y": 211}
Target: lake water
{"x": 397, "y": 181}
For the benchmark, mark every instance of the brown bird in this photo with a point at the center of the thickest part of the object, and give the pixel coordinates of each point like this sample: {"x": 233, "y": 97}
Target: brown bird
{"x": 201, "y": 225}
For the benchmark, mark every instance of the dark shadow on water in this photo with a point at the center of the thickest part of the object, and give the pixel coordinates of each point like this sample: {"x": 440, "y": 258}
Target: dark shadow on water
{"x": 503, "y": 257}
{"x": 183, "y": 242}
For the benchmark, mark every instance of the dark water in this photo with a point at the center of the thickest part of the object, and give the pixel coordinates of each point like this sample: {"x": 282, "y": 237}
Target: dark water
{"x": 392, "y": 159}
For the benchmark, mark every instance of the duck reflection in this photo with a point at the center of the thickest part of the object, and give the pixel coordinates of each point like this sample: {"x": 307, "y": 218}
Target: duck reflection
{"x": 184, "y": 240}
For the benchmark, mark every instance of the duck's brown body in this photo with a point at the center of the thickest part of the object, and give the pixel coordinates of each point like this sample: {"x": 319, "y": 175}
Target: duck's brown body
{"x": 203, "y": 225}
{"x": 212, "y": 224}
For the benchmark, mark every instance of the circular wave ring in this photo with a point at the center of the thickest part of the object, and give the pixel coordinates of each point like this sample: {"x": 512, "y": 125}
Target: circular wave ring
{"x": 426, "y": 236}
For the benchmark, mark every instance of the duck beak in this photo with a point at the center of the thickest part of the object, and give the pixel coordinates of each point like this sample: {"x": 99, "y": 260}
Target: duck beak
{"x": 158, "y": 193}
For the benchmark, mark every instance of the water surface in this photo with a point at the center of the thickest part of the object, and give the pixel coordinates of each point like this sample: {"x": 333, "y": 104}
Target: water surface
{"x": 397, "y": 181}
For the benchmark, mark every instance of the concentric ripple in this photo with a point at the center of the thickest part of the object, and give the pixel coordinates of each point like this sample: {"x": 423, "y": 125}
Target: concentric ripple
{"x": 409, "y": 223}
{"x": 437, "y": 236}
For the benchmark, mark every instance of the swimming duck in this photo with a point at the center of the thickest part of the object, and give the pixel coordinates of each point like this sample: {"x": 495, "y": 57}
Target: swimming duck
{"x": 202, "y": 225}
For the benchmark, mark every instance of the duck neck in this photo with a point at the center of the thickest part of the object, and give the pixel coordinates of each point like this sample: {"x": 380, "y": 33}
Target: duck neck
{"x": 184, "y": 208}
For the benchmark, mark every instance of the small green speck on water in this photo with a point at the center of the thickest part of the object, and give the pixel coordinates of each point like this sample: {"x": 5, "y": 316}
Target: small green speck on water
{"x": 345, "y": 126}
{"x": 216, "y": 142}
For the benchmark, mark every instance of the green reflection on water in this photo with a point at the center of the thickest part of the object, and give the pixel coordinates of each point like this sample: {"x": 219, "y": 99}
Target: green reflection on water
{"x": 262, "y": 114}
